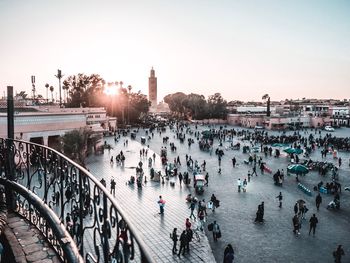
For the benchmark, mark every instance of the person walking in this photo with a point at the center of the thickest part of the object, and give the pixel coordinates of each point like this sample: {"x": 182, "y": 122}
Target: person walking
{"x": 180, "y": 178}
{"x": 183, "y": 239}
{"x": 254, "y": 170}
{"x": 239, "y": 184}
{"x": 313, "y": 223}
{"x": 214, "y": 201}
{"x": 113, "y": 184}
{"x": 189, "y": 236}
{"x": 216, "y": 231}
{"x": 206, "y": 179}
{"x": 188, "y": 224}
{"x": 296, "y": 208}
{"x": 262, "y": 168}
{"x": 161, "y": 203}
{"x": 296, "y": 225}
{"x": 201, "y": 217}
{"x": 280, "y": 197}
{"x": 174, "y": 237}
{"x": 244, "y": 187}
{"x": 234, "y": 161}
{"x": 229, "y": 254}
{"x": 337, "y": 254}
{"x": 192, "y": 207}
{"x": 318, "y": 201}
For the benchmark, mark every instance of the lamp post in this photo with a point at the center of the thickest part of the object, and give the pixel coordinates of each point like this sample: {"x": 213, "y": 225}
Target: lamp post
{"x": 129, "y": 88}
{"x": 59, "y": 76}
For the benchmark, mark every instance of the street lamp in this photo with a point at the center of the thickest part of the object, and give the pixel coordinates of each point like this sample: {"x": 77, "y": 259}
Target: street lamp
{"x": 129, "y": 88}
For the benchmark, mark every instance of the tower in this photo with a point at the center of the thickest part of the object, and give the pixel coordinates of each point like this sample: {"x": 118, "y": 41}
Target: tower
{"x": 152, "y": 89}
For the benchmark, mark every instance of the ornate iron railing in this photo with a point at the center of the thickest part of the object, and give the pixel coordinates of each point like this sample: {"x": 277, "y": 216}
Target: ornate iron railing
{"x": 32, "y": 207}
{"x": 94, "y": 220}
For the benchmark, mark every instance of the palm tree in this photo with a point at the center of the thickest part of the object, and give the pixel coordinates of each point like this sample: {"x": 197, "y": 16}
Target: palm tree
{"x": 47, "y": 92}
{"x": 76, "y": 144}
{"x": 268, "y": 112}
{"x": 52, "y": 89}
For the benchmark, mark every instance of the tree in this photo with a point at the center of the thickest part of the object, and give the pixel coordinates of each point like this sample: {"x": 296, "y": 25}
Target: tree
{"x": 196, "y": 105}
{"x": 175, "y": 102}
{"x": 138, "y": 104}
{"x": 217, "y": 106}
{"x": 52, "y": 89}
{"x": 85, "y": 91}
{"x": 47, "y": 92}
{"x": 77, "y": 143}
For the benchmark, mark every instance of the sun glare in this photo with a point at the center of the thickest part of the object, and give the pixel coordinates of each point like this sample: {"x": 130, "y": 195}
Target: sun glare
{"x": 110, "y": 90}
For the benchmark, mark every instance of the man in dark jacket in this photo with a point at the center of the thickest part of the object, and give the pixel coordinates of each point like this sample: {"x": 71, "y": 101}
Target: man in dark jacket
{"x": 189, "y": 235}
{"x": 182, "y": 243}
{"x": 338, "y": 254}
{"x": 174, "y": 237}
{"x": 313, "y": 222}
{"x": 318, "y": 201}
{"x": 296, "y": 225}
{"x": 229, "y": 254}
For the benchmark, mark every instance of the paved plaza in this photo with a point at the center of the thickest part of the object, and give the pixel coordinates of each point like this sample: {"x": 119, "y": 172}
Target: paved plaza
{"x": 141, "y": 204}
{"x": 272, "y": 241}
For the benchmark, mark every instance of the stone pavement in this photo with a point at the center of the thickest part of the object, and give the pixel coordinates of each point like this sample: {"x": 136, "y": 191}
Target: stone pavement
{"x": 272, "y": 241}
{"x": 27, "y": 243}
{"x": 141, "y": 204}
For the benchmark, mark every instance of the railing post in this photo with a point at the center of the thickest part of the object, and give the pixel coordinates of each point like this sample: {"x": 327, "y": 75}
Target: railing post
{"x": 10, "y": 154}
{"x": 62, "y": 184}
{"x": 81, "y": 214}
{"x": 105, "y": 229}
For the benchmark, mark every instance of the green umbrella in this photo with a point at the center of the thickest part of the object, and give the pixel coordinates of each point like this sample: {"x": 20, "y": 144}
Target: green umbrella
{"x": 206, "y": 132}
{"x": 293, "y": 150}
{"x": 297, "y": 169}
{"x": 278, "y": 145}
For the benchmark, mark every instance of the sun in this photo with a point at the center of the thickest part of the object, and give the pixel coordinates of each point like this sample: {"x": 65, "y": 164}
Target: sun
{"x": 110, "y": 90}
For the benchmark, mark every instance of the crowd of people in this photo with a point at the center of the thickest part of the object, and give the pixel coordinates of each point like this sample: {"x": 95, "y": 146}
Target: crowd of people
{"x": 260, "y": 140}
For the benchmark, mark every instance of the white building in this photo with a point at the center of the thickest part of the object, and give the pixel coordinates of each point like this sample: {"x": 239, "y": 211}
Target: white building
{"x": 46, "y": 124}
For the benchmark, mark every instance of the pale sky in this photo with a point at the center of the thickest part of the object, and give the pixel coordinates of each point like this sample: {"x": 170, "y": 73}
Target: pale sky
{"x": 243, "y": 49}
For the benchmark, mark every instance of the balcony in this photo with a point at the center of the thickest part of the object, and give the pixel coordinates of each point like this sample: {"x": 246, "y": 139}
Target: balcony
{"x": 68, "y": 205}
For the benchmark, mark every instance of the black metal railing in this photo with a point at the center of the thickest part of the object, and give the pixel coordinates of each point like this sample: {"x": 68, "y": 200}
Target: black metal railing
{"x": 33, "y": 208}
{"x": 97, "y": 225}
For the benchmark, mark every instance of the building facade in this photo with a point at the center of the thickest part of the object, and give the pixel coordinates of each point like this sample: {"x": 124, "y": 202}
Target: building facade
{"x": 340, "y": 116}
{"x": 46, "y": 124}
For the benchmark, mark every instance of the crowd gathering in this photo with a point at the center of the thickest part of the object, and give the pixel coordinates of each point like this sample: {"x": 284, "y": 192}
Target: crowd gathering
{"x": 258, "y": 145}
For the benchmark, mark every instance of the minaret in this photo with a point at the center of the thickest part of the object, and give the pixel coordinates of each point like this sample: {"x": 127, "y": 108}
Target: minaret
{"x": 152, "y": 89}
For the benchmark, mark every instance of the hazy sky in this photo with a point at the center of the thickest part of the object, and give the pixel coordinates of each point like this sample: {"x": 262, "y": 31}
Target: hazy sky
{"x": 243, "y": 49}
